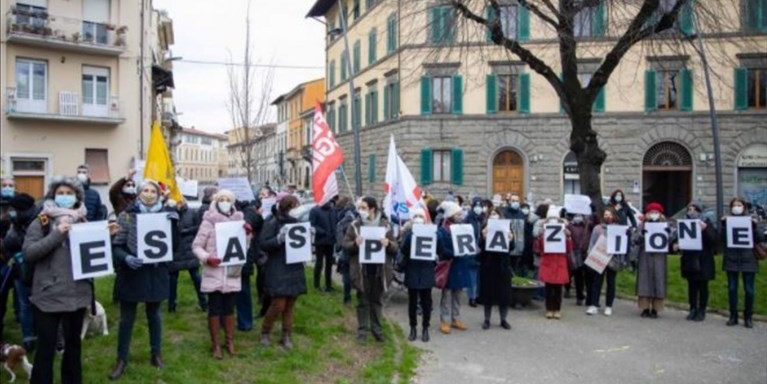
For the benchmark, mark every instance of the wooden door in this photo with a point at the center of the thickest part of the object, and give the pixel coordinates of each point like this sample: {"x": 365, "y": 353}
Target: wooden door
{"x": 508, "y": 173}
{"x": 32, "y": 185}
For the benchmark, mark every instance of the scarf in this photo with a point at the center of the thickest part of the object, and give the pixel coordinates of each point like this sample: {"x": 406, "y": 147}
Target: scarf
{"x": 147, "y": 209}
{"x": 375, "y": 221}
{"x": 52, "y": 210}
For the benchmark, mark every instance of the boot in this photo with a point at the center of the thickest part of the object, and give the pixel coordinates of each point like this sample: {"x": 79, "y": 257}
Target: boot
{"x": 286, "y": 342}
{"x": 747, "y": 321}
{"x": 413, "y": 334}
{"x": 156, "y": 361}
{"x": 733, "y": 319}
{"x": 118, "y": 370}
{"x": 229, "y": 332}
{"x": 693, "y": 313}
{"x": 701, "y": 315}
{"x": 425, "y": 335}
{"x": 265, "y": 341}
{"x": 214, "y": 326}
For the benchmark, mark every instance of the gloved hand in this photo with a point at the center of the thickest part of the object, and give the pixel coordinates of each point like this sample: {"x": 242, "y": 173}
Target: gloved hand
{"x": 668, "y": 230}
{"x": 281, "y": 235}
{"x": 248, "y": 229}
{"x": 133, "y": 262}
{"x": 213, "y": 261}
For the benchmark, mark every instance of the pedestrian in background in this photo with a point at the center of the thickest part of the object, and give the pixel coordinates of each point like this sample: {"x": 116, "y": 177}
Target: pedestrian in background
{"x": 123, "y": 193}
{"x": 185, "y": 260}
{"x": 740, "y": 262}
{"x": 96, "y": 211}
{"x": 346, "y": 213}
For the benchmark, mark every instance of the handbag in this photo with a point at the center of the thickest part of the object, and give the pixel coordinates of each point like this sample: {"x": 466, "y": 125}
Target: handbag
{"x": 760, "y": 251}
{"x": 441, "y": 273}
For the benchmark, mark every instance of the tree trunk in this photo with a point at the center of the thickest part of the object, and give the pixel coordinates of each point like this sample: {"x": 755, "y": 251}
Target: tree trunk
{"x": 585, "y": 145}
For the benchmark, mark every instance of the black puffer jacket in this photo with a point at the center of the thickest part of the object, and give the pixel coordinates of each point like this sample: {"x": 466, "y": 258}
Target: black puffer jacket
{"x": 699, "y": 265}
{"x": 282, "y": 279}
{"x": 188, "y": 226}
{"x": 323, "y": 220}
{"x": 740, "y": 259}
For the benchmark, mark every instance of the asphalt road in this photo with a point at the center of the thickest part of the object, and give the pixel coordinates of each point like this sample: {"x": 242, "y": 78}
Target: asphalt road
{"x": 596, "y": 349}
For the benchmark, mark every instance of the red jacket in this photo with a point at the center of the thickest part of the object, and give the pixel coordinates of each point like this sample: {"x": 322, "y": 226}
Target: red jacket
{"x": 553, "y": 268}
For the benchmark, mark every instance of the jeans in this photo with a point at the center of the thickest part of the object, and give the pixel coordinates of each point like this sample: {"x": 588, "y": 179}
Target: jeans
{"x": 732, "y": 290}
{"x": 125, "y": 331}
{"x": 244, "y": 305}
{"x": 370, "y": 306}
{"x": 26, "y": 314}
{"x": 47, "y": 324}
{"x": 347, "y": 281}
{"x": 194, "y": 274}
{"x": 450, "y": 311}
{"x": 414, "y": 296}
{"x": 553, "y": 297}
{"x": 594, "y": 283}
{"x": 221, "y": 304}
{"x": 473, "y": 290}
{"x": 324, "y": 259}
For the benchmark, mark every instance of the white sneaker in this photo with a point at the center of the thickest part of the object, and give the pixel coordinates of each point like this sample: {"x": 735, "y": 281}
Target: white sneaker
{"x": 592, "y": 310}
{"x": 608, "y": 311}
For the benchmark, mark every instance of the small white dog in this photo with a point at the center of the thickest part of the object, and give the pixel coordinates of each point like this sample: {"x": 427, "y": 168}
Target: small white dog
{"x": 13, "y": 357}
{"x": 95, "y": 324}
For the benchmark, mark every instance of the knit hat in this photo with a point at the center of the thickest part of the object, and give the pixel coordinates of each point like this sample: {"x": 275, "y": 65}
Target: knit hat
{"x": 225, "y": 193}
{"x": 21, "y": 202}
{"x": 70, "y": 182}
{"x": 654, "y": 206}
{"x": 697, "y": 205}
{"x": 450, "y": 208}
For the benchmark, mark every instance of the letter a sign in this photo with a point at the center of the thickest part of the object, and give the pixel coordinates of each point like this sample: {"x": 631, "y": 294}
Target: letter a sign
{"x": 230, "y": 243}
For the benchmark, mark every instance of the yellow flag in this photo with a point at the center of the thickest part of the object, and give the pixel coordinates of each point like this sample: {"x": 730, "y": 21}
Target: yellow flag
{"x": 158, "y": 164}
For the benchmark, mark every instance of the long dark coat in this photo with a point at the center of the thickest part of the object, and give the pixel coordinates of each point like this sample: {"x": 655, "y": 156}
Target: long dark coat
{"x": 740, "y": 259}
{"x": 699, "y": 265}
{"x": 282, "y": 279}
{"x": 419, "y": 274}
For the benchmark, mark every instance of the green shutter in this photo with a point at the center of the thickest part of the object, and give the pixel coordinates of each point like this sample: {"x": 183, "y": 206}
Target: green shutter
{"x": 741, "y": 89}
{"x": 395, "y": 100}
{"x": 426, "y": 95}
{"x": 372, "y": 168}
{"x": 524, "y": 93}
{"x": 372, "y": 47}
{"x": 374, "y": 107}
{"x": 600, "y": 20}
{"x": 456, "y": 162}
{"x": 688, "y": 86}
{"x": 391, "y": 36}
{"x": 650, "y": 91}
{"x": 356, "y": 59}
{"x": 457, "y": 87}
{"x": 387, "y": 96}
{"x": 523, "y": 23}
{"x": 448, "y": 24}
{"x": 489, "y": 16}
{"x": 434, "y": 25}
{"x": 491, "y": 94}
{"x": 687, "y": 18}
{"x": 343, "y": 67}
{"x": 426, "y": 166}
{"x": 332, "y": 74}
{"x": 367, "y": 109}
{"x": 599, "y": 103}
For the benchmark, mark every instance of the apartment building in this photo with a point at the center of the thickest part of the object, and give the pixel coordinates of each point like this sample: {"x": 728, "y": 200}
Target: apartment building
{"x": 201, "y": 156}
{"x": 470, "y": 117}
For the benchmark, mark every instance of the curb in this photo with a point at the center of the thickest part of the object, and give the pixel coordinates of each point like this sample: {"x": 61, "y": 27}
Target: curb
{"x": 685, "y": 307}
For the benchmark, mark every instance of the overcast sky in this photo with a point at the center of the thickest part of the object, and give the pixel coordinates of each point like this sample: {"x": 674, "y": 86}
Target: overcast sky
{"x": 203, "y": 32}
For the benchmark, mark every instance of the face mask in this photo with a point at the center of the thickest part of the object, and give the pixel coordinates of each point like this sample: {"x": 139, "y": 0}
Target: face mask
{"x": 618, "y": 198}
{"x": 65, "y": 201}
{"x": 224, "y": 206}
{"x": 693, "y": 215}
{"x": 737, "y": 210}
{"x": 525, "y": 212}
{"x": 484, "y": 210}
{"x": 7, "y": 191}
{"x": 82, "y": 177}
{"x": 654, "y": 216}
{"x": 515, "y": 205}
{"x": 478, "y": 210}
{"x": 418, "y": 220}
{"x": 578, "y": 219}
{"x": 12, "y": 215}
{"x": 129, "y": 190}
{"x": 364, "y": 215}
{"x": 295, "y": 213}
{"x": 495, "y": 216}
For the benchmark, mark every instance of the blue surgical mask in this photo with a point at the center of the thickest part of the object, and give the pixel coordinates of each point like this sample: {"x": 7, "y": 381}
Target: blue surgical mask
{"x": 65, "y": 201}
{"x": 12, "y": 214}
{"x": 7, "y": 191}
{"x": 515, "y": 205}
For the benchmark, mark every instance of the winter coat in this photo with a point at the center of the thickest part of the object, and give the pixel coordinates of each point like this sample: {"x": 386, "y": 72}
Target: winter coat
{"x": 700, "y": 265}
{"x": 256, "y": 222}
{"x": 323, "y": 219}
{"x": 740, "y": 259}
{"x": 93, "y": 204}
{"x": 384, "y": 272}
{"x": 625, "y": 215}
{"x": 458, "y": 278}
{"x": 581, "y": 235}
{"x": 14, "y": 240}
{"x": 494, "y": 276}
{"x": 218, "y": 279}
{"x": 187, "y": 230}
{"x": 5, "y": 220}
{"x": 118, "y": 199}
{"x": 150, "y": 282}
{"x": 282, "y": 279}
{"x": 419, "y": 274}
{"x": 476, "y": 222}
{"x": 651, "y": 268}
{"x": 554, "y": 268}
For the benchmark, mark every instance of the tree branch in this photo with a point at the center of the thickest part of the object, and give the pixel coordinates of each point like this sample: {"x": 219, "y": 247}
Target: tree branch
{"x": 537, "y": 11}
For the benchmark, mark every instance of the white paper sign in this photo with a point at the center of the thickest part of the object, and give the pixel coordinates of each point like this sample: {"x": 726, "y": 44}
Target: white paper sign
{"x": 139, "y": 166}
{"x": 266, "y": 206}
{"x": 231, "y": 243}
{"x": 298, "y": 243}
{"x": 372, "y": 250}
{"x": 554, "y": 239}
{"x": 464, "y": 243}
{"x": 617, "y": 239}
{"x": 188, "y": 188}
{"x": 155, "y": 238}
{"x": 739, "y": 232}
{"x": 239, "y": 186}
{"x": 690, "y": 235}
{"x": 423, "y": 243}
{"x": 580, "y": 204}
{"x": 497, "y": 239}
{"x": 598, "y": 257}
{"x": 91, "y": 250}
{"x": 656, "y": 238}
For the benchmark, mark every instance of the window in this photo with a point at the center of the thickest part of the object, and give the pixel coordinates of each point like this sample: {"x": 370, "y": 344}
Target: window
{"x": 344, "y": 67}
{"x": 371, "y": 106}
{"x": 751, "y": 87}
{"x": 332, "y": 74}
{"x": 391, "y": 101}
{"x": 515, "y": 22}
{"x": 508, "y": 92}
{"x": 508, "y": 86}
{"x": 441, "y": 166}
{"x": 755, "y": 15}
{"x": 94, "y": 32}
{"x": 356, "y": 10}
{"x": 668, "y": 89}
{"x": 509, "y": 17}
{"x": 31, "y": 15}
{"x": 590, "y": 21}
{"x": 95, "y": 18}
{"x": 330, "y": 117}
{"x": 356, "y": 57}
{"x": 391, "y": 34}
{"x": 343, "y": 116}
{"x": 372, "y": 46}
{"x": 685, "y": 21}
{"x": 31, "y": 85}
{"x": 98, "y": 161}
{"x": 441, "y": 95}
{"x": 441, "y": 24}
{"x": 95, "y": 91}
{"x": 599, "y": 103}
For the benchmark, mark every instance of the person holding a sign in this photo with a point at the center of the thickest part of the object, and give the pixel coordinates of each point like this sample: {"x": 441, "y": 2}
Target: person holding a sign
{"x": 419, "y": 271}
{"x": 496, "y": 244}
{"x": 697, "y": 263}
{"x": 653, "y": 238}
{"x": 283, "y": 282}
{"x": 370, "y": 280}
{"x": 221, "y": 283}
{"x": 554, "y": 271}
{"x": 476, "y": 217}
{"x": 58, "y": 300}
{"x": 458, "y": 274}
{"x": 739, "y": 235}
{"x": 140, "y": 277}
{"x": 595, "y": 278}
{"x": 580, "y": 229}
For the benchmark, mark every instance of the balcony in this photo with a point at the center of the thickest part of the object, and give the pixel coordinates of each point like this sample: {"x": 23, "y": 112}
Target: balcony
{"x": 71, "y": 109}
{"x": 35, "y": 27}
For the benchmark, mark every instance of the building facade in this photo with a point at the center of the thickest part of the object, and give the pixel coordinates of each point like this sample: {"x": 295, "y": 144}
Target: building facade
{"x": 72, "y": 84}
{"x": 265, "y": 149}
{"x": 201, "y": 156}
{"x": 281, "y": 138}
{"x": 470, "y": 117}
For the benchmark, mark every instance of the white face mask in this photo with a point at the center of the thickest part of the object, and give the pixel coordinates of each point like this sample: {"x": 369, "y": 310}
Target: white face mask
{"x": 295, "y": 213}
{"x": 224, "y": 206}
{"x": 578, "y": 219}
{"x": 515, "y": 205}
{"x": 618, "y": 198}
{"x": 526, "y": 211}
{"x": 495, "y": 216}
{"x": 418, "y": 220}
{"x": 82, "y": 177}
{"x": 654, "y": 216}
{"x": 129, "y": 190}
{"x": 484, "y": 210}
{"x": 737, "y": 210}
{"x": 364, "y": 215}
{"x": 478, "y": 210}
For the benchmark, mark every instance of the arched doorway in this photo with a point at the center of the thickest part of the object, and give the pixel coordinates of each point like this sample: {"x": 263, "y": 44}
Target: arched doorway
{"x": 667, "y": 176}
{"x": 508, "y": 173}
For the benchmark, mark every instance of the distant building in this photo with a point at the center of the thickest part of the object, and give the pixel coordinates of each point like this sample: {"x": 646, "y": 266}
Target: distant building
{"x": 201, "y": 156}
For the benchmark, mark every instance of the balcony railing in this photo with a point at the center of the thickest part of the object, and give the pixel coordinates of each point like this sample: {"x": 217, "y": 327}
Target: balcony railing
{"x": 70, "y": 108}
{"x": 37, "y": 27}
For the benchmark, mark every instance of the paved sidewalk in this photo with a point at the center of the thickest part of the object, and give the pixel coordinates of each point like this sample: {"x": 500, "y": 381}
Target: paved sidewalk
{"x": 596, "y": 349}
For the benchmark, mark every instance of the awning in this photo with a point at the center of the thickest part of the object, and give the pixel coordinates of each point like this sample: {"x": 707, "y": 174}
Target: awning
{"x": 320, "y": 8}
{"x": 162, "y": 79}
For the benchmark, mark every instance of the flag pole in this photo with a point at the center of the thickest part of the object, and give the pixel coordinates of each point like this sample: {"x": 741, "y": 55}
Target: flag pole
{"x": 346, "y": 180}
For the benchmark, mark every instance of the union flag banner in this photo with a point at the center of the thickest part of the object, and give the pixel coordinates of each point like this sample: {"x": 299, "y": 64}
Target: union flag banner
{"x": 327, "y": 156}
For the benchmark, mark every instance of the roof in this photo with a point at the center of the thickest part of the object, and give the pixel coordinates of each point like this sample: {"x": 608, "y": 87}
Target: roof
{"x": 295, "y": 89}
{"x": 197, "y": 132}
{"x": 320, "y": 8}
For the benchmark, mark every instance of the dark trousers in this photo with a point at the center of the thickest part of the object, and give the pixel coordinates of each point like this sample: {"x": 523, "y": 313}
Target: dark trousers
{"x": 414, "y": 297}
{"x": 581, "y": 285}
{"x": 221, "y": 304}
{"x": 194, "y": 274}
{"x": 697, "y": 294}
{"x": 263, "y": 298}
{"x": 125, "y": 331}
{"x": 595, "y": 286}
{"x": 553, "y": 296}
{"x": 503, "y": 310}
{"x": 370, "y": 306}
{"x": 748, "y": 287}
{"x": 324, "y": 259}
{"x": 347, "y": 281}
{"x": 244, "y": 305}
{"x": 47, "y": 325}
{"x": 6, "y": 282}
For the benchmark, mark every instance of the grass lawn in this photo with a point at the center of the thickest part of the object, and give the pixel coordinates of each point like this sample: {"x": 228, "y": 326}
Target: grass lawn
{"x": 324, "y": 335}
{"x": 677, "y": 287}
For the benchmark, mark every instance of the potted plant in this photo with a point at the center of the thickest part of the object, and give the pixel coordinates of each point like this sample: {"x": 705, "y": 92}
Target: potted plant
{"x": 76, "y": 37}
{"x": 110, "y": 27}
{"x": 121, "y": 30}
{"x": 523, "y": 290}
{"x": 88, "y": 37}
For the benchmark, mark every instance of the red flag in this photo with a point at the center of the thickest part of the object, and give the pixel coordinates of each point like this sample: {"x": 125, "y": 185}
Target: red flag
{"x": 327, "y": 156}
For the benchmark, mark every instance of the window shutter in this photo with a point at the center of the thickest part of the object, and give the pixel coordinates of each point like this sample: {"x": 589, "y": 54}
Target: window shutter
{"x": 434, "y": 25}
{"x": 392, "y": 34}
{"x": 524, "y": 93}
{"x": 687, "y": 18}
{"x": 523, "y": 23}
{"x": 372, "y": 168}
{"x": 332, "y": 74}
{"x": 650, "y": 103}
{"x": 599, "y": 103}
{"x": 599, "y": 20}
{"x": 372, "y": 47}
{"x": 489, "y": 15}
{"x": 356, "y": 62}
{"x": 426, "y": 166}
{"x": 395, "y": 100}
{"x": 387, "y": 96}
{"x": 426, "y": 95}
{"x": 374, "y": 107}
{"x": 741, "y": 89}
{"x": 491, "y": 94}
{"x": 688, "y": 86}
{"x": 456, "y": 160}
{"x": 448, "y": 24}
{"x": 457, "y": 95}
{"x": 367, "y": 109}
